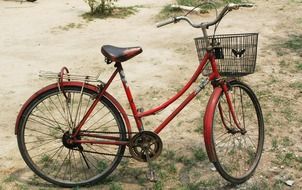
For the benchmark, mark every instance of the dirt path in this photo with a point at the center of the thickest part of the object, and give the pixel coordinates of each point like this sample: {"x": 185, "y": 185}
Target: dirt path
{"x": 49, "y": 34}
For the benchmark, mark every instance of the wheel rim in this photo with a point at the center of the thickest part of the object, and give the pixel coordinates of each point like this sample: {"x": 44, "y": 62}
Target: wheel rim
{"x": 237, "y": 152}
{"x": 46, "y": 126}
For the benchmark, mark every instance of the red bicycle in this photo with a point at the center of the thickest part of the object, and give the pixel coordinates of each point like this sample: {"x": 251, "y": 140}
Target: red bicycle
{"x": 73, "y": 133}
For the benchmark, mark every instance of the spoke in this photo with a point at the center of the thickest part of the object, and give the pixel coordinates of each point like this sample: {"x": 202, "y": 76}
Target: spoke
{"x": 49, "y": 124}
{"x": 51, "y": 159}
{"x": 105, "y": 124}
{"x": 88, "y": 160}
{"x": 81, "y": 156}
{"x": 42, "y": 133}
{"x": 64, "y": 110}
{"x": 50, "y": 114}
{"x": 62, "y": 115}
{"x": 39, "y": 140}
{"x": 46, "y": 151}
{"x": 94, "y": 114}
{"x": 96, "y": 151}
{"x": 79, "y": 105}
{"x": 246, "y": 135}
{"x": 88, "y": 103}
{"x": 98, "y": 120}
{"x": 223, "y": 140}
{"x": 38, "y": 146}
{"x": 61, "y": 166}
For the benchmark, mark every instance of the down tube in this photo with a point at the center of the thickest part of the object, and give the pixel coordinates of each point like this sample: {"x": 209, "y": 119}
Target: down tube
{"x": 174, "y": 113}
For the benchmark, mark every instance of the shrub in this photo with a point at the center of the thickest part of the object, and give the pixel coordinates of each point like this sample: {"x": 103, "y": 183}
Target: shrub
{"x": 102, "y": 7}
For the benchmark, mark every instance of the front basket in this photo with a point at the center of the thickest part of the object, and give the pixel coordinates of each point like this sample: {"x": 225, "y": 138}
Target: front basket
{"x": 235, "y": 53}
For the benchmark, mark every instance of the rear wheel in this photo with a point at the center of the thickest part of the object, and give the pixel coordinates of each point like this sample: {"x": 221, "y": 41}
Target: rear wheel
{"x": 46, "y": 127}
{"x": 237, "y": 152}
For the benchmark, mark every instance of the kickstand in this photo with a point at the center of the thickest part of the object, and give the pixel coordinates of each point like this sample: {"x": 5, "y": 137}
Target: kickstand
{"x": 151, "y": 175}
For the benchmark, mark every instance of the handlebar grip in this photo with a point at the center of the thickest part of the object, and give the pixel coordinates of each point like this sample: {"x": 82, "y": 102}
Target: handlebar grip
{"x": 233, "y": 6}
{"x": 246, "y": 5}
{"x": 165, "y": 22}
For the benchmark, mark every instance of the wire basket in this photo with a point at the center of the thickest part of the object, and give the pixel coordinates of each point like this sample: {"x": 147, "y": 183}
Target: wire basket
{"x": 235, "y": 53}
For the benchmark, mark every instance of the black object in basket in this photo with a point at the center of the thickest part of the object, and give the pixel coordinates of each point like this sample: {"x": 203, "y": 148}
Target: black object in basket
{"x": 235, "y": 53}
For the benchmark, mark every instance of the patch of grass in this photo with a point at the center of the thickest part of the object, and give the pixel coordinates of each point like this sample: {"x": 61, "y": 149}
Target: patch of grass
{"x": 23, "y": 187}
{"x": 299, "y": 66}
{"x": 159, "y": 185}
{"x": 200, "y": 154}
{"x": 10, "y": 178}
{"x": 115, "y": 186}
{"x": 274, "y": 144}
{"x": 288, "y": 113}
{"x": 191, "y": 3}
{"x": 117, "y": 12}
{"x": 70, "y": 26}
{"x": 167, "y": 12}
{"x": 278, "y": 185}
{"x": 294, "y": 43}
{"x": 286, "y": 142}
{"x": 287, "y": 159}
{"x": 259, "y": 185}
{"x": 169, "y": 155}
{"x": 296, "y": 85}
{"x": 189, "y": 162}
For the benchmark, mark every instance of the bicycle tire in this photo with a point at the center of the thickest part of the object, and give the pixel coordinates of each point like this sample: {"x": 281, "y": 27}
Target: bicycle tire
{"x": 40, "y": 138}
{"x": 236, "y": 155}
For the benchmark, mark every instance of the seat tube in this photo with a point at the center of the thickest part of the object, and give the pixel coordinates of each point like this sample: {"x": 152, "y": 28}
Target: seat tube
{"x": 129, "y": 95}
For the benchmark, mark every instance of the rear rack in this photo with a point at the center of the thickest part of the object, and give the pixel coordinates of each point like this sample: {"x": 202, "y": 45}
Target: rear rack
{"x": 67, "y": 76}
{"x": 64, "y": 75}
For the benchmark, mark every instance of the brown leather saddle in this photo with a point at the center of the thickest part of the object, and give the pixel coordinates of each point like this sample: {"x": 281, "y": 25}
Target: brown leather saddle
{"x": 118, "y": 54}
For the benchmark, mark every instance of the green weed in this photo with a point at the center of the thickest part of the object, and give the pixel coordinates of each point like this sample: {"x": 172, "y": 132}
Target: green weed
{"x": 117, "y": 12}
{"x": 200, "y": 154}
{"x": 294, "y": 43}
{"x": 10, "y": 178}
{"x": 286, "y": 159}
{"x": 274, "y": 144}
{"x": 70, "y": 26}
{"x": 115, "y": 186}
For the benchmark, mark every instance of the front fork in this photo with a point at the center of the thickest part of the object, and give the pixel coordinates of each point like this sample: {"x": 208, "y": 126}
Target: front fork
{"x": 226, "y": 87}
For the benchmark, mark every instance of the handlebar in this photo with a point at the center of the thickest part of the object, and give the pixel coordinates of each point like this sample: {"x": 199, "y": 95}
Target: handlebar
{"x": 228, "y": 7}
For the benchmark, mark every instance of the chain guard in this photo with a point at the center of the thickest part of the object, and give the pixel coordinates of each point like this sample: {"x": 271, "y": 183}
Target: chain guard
{"x": 145, "y": 143}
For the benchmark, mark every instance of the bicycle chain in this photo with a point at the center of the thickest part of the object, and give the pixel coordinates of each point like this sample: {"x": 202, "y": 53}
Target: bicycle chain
{"x": 109, "y": 132}
{"x": 107, "y": 154}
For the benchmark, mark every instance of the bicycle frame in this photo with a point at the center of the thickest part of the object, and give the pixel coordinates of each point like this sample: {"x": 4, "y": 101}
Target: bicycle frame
{"x": 138, "y": 114}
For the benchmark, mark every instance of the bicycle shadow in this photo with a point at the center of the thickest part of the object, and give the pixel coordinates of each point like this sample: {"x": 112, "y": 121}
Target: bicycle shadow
{"x": 127, "y": 176}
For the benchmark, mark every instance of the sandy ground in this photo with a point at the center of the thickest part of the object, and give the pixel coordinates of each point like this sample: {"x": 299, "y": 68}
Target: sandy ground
{"x": 33, "y": 38}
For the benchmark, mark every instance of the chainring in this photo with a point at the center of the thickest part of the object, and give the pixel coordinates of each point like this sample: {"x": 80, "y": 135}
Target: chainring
{"x": 145, "y": 143}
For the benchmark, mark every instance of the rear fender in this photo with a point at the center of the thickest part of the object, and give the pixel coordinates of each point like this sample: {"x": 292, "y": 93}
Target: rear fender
{"x": 79, "y": 84}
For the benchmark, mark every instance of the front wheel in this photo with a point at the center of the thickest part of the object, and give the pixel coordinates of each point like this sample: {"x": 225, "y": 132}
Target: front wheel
{"x": 237, "y": 152}
{"x": 47, "y": 124}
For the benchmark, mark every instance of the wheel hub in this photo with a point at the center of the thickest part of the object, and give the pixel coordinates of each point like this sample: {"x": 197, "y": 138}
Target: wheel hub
{"x": 66, "y": 140}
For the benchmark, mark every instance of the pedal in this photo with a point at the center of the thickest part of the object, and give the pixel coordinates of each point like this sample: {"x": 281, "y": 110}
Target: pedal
{"x": 151, "y": 175}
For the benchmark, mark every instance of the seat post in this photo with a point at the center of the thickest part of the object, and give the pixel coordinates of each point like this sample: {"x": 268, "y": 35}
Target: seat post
{"x": 138, "y": 120}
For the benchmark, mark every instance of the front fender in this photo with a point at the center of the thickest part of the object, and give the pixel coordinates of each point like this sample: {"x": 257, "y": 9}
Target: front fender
{"x": 208, "y": 121}
{"x": 73, "y": 83}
